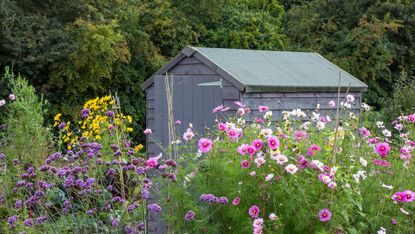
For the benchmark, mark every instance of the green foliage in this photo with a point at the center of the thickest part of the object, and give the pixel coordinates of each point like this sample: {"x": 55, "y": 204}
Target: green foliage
{"x": 402, "y": 100}
{"x": 370, "y": 39}
{"x": 26, "y": 138}
{"x": 73, "y": 51}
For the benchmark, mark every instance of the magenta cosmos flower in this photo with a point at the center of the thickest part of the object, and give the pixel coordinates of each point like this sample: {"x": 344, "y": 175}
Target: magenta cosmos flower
{"x": 383, "y": 149}
{"x": 245, "y": 164}
{"x": 325, "y": 215}
{"x": 236, "y": 201}
{"x": 263, "y": 109}
{"x": 300, "y": 135}
{"x": 251, "y": 150}
{"x": 257, "y": 143}
{"x": 273, "y": 142}
{"x": 205, "y": 145}
{"x": 254, "y": 211}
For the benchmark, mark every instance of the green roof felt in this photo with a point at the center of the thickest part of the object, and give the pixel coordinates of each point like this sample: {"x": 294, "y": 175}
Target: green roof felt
{"x": 269, "y": 71}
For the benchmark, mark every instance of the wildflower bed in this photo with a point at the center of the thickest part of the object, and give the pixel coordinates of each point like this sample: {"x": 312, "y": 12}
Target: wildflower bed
{"x": 306, "y": 173}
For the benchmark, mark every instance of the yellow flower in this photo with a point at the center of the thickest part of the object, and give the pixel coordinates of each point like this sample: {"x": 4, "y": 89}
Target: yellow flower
{"x": 130, "y": 129}
{"x": 98, "y": 137}
{"x": 138, "y": 147}
{"x": 57, "y": 117}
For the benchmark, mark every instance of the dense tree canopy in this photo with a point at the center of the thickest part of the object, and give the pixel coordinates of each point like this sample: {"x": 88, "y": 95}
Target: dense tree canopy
{"x": 74, "y": 50}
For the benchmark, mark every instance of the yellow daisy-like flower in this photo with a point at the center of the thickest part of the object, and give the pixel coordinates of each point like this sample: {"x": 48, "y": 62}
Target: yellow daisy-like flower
{"x": 130, "y": 129}
{"x": 138, "y": 147}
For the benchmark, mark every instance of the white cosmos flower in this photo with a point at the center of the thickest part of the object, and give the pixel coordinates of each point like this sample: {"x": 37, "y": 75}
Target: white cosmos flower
{"x": 291, "y": 168}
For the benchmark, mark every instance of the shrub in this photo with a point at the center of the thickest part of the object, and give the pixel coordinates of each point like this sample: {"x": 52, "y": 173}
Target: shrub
{"x": 26, "y": 139}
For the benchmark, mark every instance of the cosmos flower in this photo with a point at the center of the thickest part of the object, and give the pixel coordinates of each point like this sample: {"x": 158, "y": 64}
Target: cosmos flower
{"x": 273, "y": 217}
{"x": 257, "y": 143}
{"x": 245, "y": 164}
{"x": 147, "y": 131}
{"x": 188, "y": 135}
{"x": 205, "y": 145}
{"x": 291, "y": 168}
{"x": 263, "y": 108}
{"x": 281, "y": 159}
{"x": 325, "y": 215}
{"x": 299, "y": 135}
{"x": 236, "y": 201}
{"x": 332, "y": 104}
{"x": 254, "y": 211}
{"x": 382, "y": 149}
{"x": 273, "y": 142}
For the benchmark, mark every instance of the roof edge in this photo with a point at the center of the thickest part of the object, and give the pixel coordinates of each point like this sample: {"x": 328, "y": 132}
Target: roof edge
{"x": 186, "y": 52}
{"x": 291, "y": 89}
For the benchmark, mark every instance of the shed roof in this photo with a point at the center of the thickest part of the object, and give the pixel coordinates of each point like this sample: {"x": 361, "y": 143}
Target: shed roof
{"x": 270, "y": 71}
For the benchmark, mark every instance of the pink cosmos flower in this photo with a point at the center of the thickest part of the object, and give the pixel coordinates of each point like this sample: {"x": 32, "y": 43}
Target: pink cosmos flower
{"x": 259, "y": 120}
{"x": 241, "y": 111}
{"x": 254, "y": 211}
{"x": 238, "y": 103}
{"x": 409, "y": 195}
{"x": 324, "y": 177}
{"x": 259, "y": 161}
{"x": 205, "y": 145}
{"x": 281, "y": 159}
{"x": 257, "y": 143}
{"x": 243, "y": 149}
{"x": 325, "y": 215}
{"x": 332, "y": 104}
{"x": 152, "y": 162}
{"x": 312, "y": 149}
{"x": 300, "y": 135}
{"x": 273, "y": 142}
{"x": 372, "y": 140}
{"x": 223, "y": 127}
{"x": 218, "y": 108}
{"x": 383, "y": 149}
{"x": 236, "y": 201}
{"x": 12, "y": 97}
{"x": 332, "y": 184}
{"x": 251, "y": 150}
{"x": 365, "y": 132}
{"x": 245, "y": 164}
{"x": 252, "y": 173}
{"x": 382, "y": 163}
{"x": 263, "y": 109}
{"x": 399, "y": 197}
{"x": 2, "y": 103}
{"x": 350, "y": 98}
{"x": 178, "y": 122}
{"x": 188, "y": 135}
{"x": 147, "y": 131}
{"x": 411, "y": 118}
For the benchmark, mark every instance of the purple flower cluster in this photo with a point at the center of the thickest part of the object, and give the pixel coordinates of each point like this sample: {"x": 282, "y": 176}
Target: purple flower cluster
{"x": 85, "y": 113}
{"x": 212, "y": 199}
{"x": 190, "y": 215}
{"x": 154, "y": 207}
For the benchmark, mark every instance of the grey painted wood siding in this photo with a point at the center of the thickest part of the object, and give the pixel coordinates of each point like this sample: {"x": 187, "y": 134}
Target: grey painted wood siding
{"x": 150, "y": 119}
{"x": 279, "y": 102}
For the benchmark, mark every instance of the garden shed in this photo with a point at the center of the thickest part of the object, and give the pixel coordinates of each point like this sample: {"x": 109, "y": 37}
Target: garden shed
{"x": 203, "y": 78}
{"x": 200, "y": 79}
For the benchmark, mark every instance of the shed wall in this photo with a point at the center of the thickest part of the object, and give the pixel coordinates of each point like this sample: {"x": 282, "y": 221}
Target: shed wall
{"x": 279, "y": 102}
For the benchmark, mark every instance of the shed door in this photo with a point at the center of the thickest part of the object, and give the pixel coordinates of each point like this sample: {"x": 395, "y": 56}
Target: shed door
{"x": 194, "y": 97}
